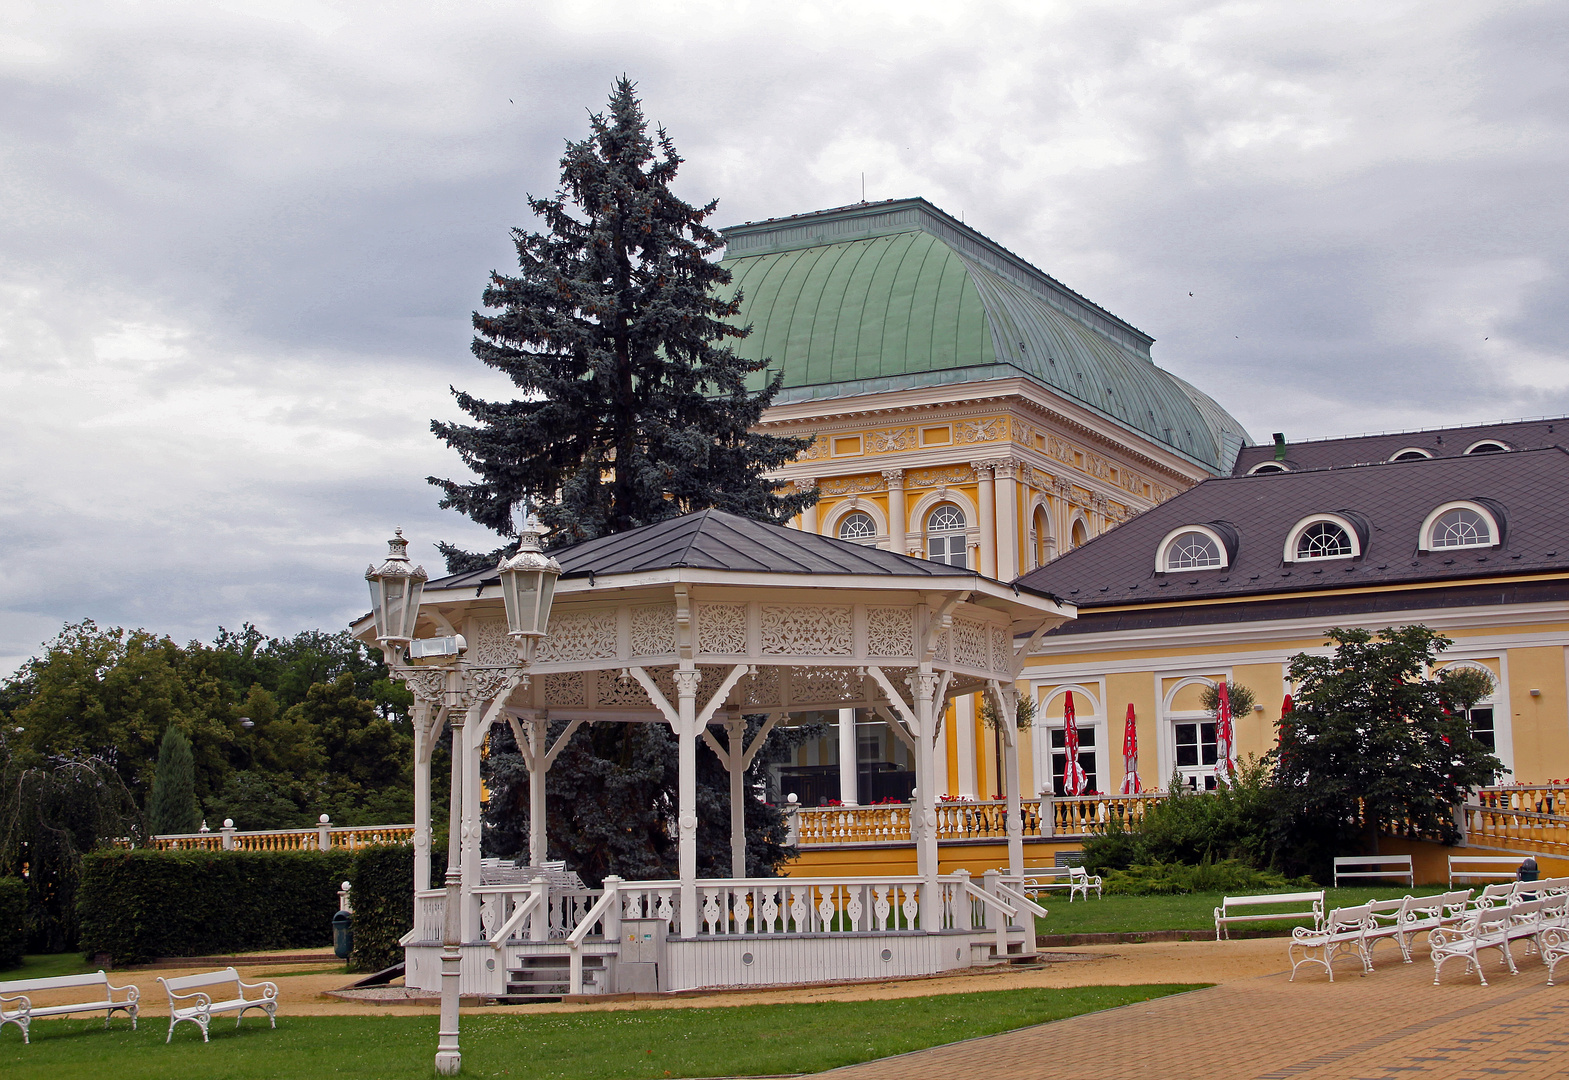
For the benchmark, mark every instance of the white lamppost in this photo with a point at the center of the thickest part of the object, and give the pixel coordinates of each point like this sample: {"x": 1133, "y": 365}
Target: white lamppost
{"x": 528, "y": 583}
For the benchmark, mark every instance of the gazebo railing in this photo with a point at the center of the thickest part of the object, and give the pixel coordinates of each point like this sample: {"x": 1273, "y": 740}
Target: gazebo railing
{"x": 959, "y": 820}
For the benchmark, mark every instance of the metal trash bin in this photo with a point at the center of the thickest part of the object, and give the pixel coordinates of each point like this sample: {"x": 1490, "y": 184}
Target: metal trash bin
{"x": 342, "y": 934}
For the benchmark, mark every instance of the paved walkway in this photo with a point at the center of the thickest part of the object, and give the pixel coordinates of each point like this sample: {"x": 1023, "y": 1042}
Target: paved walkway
{"x": 1392, "y": 1024}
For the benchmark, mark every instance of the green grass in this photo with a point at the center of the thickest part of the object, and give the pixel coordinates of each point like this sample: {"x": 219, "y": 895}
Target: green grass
{"x": 618, "y": 1045}
{"x": 1192, "y": 911}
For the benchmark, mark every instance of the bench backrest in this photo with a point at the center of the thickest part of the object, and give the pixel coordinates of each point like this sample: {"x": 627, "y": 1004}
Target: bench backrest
{"x": 1373, "y": 860}
{"x": 58, "y": 982}
{"x": 1496, "y": 893}
{"x": 206, "y": 978}
{"x": 1349, "y": 918}
{"x": 1273, "y": 898}
{"x": 1386, "y": 908}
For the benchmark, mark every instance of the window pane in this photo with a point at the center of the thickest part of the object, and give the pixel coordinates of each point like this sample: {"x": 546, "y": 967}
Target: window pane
{"x": 1323, "y": 540}
{"x": 857, "y": 526}
{"x": 1192, "y": 551}
{"x": 1187, "y": 755}
{"x": 1460, "y": 527}
{"x": 1482, "y": 730}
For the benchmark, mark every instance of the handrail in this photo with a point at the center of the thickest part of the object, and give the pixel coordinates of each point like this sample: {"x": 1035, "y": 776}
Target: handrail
{"x": 997, "y": 902}
{"x": 1021, "y": 899}
{"x": 536, "y": 897}
{"x": 592, "y": 916}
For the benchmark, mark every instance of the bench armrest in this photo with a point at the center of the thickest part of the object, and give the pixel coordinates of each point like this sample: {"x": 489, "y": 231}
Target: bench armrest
{"x": 1307, "y": 935}
{"x": 268, "y": 989}
{"x": 204, "y": 1001}
{"x": 26, "y": 1002}
{"x": 135, "y": 991}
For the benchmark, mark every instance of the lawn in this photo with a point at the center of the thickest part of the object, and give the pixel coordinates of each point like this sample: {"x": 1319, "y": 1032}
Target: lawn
{"x": 1193, "y": 911}
{"x": 630, "y": 1044}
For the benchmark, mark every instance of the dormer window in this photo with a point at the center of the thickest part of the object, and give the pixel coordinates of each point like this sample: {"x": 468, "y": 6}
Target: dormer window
{"x": 1267, "y": 467}
{"x": 1459, "y": 525}
{"x": 1411, "y": 453}
{"x": 1192, "y": 547}
{"x": 1323, "y": 536}
{"x": 1486, "y": 446}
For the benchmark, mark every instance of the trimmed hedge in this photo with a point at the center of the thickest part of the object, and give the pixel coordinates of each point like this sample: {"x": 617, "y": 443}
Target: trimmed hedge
{"x": 383, "y": 899}
{"x": 139, "y": 905}
{"x": 13, "y": 921}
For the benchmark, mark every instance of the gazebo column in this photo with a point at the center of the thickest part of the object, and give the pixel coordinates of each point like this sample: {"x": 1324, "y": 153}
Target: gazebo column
{"x": 735, "y": 730}
{"x": 1008, "y": 705}
{"x": 924, "y": 685}
{"x": 847, "y": 758}
{"x": 538, "y": 849}
{"x": 424, "y": 736}
{"x": 473, "y": 738}
{"x": 686, "y": 800}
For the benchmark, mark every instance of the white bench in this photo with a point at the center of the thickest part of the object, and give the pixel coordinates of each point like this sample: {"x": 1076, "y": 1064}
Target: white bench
{"x": 1421, "y": 913}
{"x": 1555, "y": 947}
{"x": 1374, "y": 866}
{"x": 1485, "y": 928}
{"x": 25, "y": 1012}
{"x": 1224, "y": 916}
{"x": 1081, "y": 881}
{"x": 1342, "y": 927}
{"x": 1039, "y": 879}
{"x": 1492, "y": 867}
{"x": 205, "y": 1004}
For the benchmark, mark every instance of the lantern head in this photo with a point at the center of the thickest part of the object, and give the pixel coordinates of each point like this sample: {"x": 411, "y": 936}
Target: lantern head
{"x": 528, "y": 583}
{"x": 395, "y": 588}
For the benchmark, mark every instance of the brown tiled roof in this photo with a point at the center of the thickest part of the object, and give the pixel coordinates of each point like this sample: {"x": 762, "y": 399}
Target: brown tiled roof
{"x": 1530, "y": 489}
{"x": 1439, "y": 442}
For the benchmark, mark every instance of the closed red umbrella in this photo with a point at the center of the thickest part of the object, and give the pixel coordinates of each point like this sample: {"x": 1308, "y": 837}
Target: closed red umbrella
{"x": 1130, "y": 757}
{"x": 1285, "y": 711}
{"x": 1225, "y": 741}
{"x": 1073, "y": 779}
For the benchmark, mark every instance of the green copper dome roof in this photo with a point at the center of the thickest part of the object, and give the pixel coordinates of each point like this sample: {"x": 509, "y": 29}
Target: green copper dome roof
{"x": 898, "y": 294}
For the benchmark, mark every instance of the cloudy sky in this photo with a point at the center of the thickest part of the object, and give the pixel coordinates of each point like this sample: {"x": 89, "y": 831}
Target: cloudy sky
{"x": 240, "y": 242}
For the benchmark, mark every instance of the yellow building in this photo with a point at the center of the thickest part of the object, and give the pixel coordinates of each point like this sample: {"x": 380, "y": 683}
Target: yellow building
{"x": 964, "y": 407}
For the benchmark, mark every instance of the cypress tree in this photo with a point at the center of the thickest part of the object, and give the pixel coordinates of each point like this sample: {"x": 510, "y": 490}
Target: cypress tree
{"x": 632, "y": 406}
{"x": 171, "y": 808}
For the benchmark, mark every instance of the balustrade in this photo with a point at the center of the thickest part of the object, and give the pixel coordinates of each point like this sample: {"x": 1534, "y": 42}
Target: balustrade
{"x": 312, "y": 839}
{"x": 1552, "y": 799}
{"x": 1486, "y": 825}
{"x": 962, "y": 820}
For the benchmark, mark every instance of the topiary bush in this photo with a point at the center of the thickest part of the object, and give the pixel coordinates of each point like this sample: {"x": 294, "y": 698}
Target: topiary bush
{"x": 139, "y": 905}
{"x": 382, "y": 894}
{"x": 13, "y": 921}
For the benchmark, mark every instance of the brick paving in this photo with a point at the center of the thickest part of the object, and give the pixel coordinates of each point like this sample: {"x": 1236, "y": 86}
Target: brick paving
{"x": 1390, "y": 1025}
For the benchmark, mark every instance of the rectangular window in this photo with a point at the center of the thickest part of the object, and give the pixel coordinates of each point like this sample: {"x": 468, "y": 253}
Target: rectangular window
{"x": 1059, "y": 758}
{"x": 947, "y": 548}
{"x": 1197, "y": 752}
{"x": 1481, "y": 718}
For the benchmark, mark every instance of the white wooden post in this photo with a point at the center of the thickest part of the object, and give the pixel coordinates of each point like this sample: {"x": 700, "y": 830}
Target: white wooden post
{"x": 924, "y": 684}
{"x": 474, "y": 736}
{"x": 1007, "y": 702}
{"x": 995, "y": 919}
{"x": 449, "y": 1059}
{"x": 847, "y": 759}
{"x": 686, "y": 803}
{"x": 735, "y": 729}
{"x": 423, "y": 737}
{"x": 537, "y": 733}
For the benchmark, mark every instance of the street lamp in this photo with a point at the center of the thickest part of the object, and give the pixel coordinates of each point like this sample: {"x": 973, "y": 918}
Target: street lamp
{"x": 395, "y": 589}
{"x": 528, "y": 582}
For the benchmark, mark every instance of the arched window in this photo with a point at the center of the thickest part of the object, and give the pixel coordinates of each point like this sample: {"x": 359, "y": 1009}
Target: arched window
{"x": 857, "y": 527}
{"x": 1486, "y": 446}
{"x": 1267, "y": 467}
{"x": 1411, "y": 453}
{"x": 1324, "y": 540}
{"x": 1193, "y": 551}
{"x": 1080, "y": 533}
{"x": 1459, "y": 525}
{"x": 945, "y": 535}
{"x": 1042, "y": 545}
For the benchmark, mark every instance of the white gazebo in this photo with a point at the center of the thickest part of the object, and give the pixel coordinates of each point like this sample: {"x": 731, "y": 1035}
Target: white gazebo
{"x": 697, "y": 622}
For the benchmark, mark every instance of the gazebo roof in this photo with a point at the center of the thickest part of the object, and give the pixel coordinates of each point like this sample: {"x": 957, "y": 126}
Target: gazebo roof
{"x": 715, "y": 540}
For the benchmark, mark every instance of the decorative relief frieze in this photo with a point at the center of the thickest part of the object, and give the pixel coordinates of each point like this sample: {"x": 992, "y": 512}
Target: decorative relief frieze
{"x": 847, "y": 485}
{"x": 890, "y": 631}
{"x": 654, "y": 630}
{"x": 939, "y": 477}
{"x": 969, "y": 644}
{"x": 579, "y": 635}
{"x": 721, "y": 628}
{"x": 1061, "y": 450}
{"x": 426, "y": 685}
{"x": 988, "y": 430}
{"x": 893, "y": 478}
{"x": 564, "y": 688}
{"x": 888, "y": 440}
{"x": 799, "y": 630}
{"x": 492, "y": 645}
{"x": 1099, "y": 503}
{"x": 1098, "y": 467}
{"x": 818, "y": 449}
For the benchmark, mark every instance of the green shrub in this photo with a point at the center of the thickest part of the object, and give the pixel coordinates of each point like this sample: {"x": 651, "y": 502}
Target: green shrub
{"x": 383, "y": 899}
{"x": 13, "y": 921}
{"x": 1169, "y": 879}
{"x": 138, "y": 905}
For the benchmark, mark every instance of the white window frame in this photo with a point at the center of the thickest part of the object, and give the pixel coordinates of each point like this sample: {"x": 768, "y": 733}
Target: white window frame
{"x": 1503, "y": 715}
{"x": 1265, "y": 468}
{"x": 1502, "y": 447}
{"x": 1168, "y": 719}
{"x": 962, "y": 532}
{"x": 858, "y": 506}
{"x": 1093, "y": 693}
{"x": 1289, "y": 553}
{"x": 1410, "y": 450}
{"x": 1164, "y": 549}
{"x": 1425, "y": 540}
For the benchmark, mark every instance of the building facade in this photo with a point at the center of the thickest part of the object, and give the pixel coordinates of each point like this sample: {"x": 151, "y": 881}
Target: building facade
{"x": 963, "y": 406}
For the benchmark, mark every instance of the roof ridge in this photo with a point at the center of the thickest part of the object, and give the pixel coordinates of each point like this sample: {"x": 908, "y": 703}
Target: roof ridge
{"x": 1497, "y": 454}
